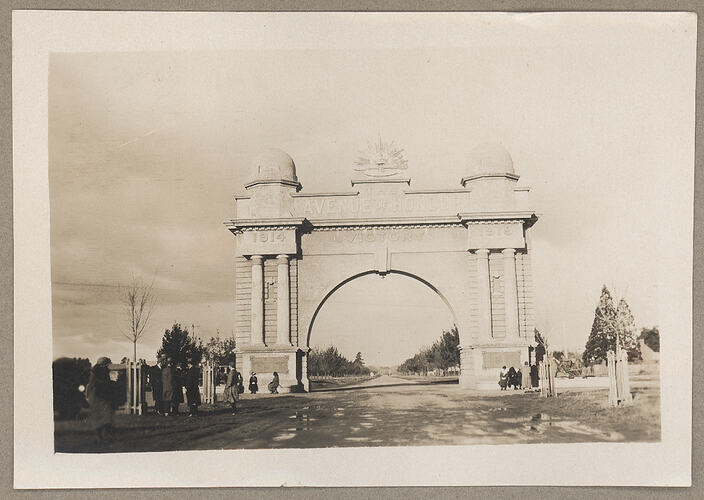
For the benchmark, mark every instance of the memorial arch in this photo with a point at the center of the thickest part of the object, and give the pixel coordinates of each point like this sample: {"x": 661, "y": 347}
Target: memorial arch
{"x": 469, "y": 244}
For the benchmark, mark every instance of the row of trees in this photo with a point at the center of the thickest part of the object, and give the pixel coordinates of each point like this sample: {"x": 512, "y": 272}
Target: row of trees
{"x": 443, "y": 354}
{"x": 329, "y": 362}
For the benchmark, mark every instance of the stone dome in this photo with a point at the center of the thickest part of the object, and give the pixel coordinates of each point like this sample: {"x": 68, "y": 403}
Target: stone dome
{"x": 490, "y": 158}
{"x": 273, "y": 165}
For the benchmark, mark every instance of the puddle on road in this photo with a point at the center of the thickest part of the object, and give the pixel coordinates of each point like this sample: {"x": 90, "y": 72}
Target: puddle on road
{"x": 356, "y": 439}
{"x": 366, "y": 424}
{"x": 542, "y": 422}
{"x": 284, "y": 437}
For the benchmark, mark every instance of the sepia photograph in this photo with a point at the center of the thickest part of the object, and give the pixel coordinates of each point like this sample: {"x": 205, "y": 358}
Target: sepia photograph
{"x": 448, "y": 232}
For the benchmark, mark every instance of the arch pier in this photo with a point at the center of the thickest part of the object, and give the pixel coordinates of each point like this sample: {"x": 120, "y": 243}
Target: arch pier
{"x": 470, "y": 244}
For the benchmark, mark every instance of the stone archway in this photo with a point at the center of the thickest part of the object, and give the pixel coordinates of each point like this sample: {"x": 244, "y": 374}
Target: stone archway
{"x": 294, "y": 249}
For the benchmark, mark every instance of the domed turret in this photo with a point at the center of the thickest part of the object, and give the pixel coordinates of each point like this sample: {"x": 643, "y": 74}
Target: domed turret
{"x": 490, "y": 158}
{"x": 273, "y": 166}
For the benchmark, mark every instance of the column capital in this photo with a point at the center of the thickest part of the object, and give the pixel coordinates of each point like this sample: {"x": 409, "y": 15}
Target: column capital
{"x": 282, "y": 258}
{"x": 256, "y": 258}
{"x": 482, "y": 252}
{"x": 508, "y": 252}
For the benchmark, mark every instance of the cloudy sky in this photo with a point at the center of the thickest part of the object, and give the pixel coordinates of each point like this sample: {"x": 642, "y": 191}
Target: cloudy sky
{"x": 148, "y": 148}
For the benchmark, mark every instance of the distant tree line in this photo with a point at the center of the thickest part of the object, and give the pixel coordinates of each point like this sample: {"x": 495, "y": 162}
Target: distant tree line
{"x": 329, "y": 362}
{"x": 443, "y": 354}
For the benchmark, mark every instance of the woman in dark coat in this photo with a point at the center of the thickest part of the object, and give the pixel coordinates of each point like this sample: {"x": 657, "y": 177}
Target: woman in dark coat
{"x": 512, "y": 377}
{"x": 232, "y": 395}
{"x": 101, "y": 397}
{"x": 274, "y": 384}
{"x": 518, "y": 380}
{"x": 167, "y": 386}
{"x": 253, "y": 385}
{"x": 157, "y": 388}
{"x": 178, "y": 389}
{"x": 192, "y": 390}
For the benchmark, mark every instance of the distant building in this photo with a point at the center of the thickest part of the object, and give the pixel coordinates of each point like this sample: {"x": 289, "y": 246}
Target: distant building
{"x": 647, "y": 354}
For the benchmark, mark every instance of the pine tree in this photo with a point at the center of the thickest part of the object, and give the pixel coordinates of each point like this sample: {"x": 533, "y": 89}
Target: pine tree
{"x": 626, "y": 325}
{"x": 602, "y": 338}
{"x": 179, "y": 346}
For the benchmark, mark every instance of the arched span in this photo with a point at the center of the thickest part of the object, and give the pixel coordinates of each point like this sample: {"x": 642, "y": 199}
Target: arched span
{"x": 365, "y": 273}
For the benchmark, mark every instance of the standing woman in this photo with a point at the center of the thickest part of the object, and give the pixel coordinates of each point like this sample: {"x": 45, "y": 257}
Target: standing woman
{"x": 503, "y": 378}
{"x": 253, "y": 385}
{"x": 178, "y": 389}
{"x": 192, "y": 390}
{"x": 155, "y": 382}
{"x": 101, "y": 396}
{"x": 274, "y": 384}
{"x": 525, "y": 374}
{"x": 167, "y": 386}
{"x": 512, "y": 377}
{"x": 232, "y": 395}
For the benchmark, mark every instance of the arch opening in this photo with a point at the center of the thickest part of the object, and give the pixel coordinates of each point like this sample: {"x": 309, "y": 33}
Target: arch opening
{"x": 425, "y": 318}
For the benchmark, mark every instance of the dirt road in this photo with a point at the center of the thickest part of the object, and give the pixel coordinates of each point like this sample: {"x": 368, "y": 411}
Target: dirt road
{"x": 386, "y": 411}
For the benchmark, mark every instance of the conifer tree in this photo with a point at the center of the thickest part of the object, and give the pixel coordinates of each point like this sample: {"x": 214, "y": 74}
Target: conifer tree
{"x": 626, "y": 325}
{"x": 179, "y": 346}
{"x": 609, "y": 324}
{"x": 602, "y": 337}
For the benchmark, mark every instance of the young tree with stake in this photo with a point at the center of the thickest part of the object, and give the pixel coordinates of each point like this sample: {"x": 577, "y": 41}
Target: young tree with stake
{"x": 138, "y": 301}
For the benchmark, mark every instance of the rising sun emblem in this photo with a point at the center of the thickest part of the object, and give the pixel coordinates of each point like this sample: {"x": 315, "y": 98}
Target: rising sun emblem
{"x": 382, "y": 159}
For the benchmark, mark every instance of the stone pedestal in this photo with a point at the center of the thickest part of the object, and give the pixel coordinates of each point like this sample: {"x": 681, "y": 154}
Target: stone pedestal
{"x": 267, "y": 360}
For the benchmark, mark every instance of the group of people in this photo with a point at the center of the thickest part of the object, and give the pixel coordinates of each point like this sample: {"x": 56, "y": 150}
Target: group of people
{"x": 516, "y": 378}
{"x": 168, "y": 379}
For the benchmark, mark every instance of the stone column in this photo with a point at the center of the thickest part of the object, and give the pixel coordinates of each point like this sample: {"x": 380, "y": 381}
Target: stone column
{"x": 510, "y": 293}
{"x": 283, "y": 303}
{"x": 257, "y": 332}
{"x": 484, "y": 291}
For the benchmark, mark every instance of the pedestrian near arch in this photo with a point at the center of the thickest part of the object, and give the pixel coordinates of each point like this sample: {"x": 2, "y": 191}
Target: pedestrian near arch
{"x": 232, "y": 395}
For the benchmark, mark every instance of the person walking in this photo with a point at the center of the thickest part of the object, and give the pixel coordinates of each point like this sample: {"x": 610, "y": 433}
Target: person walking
{"x": 253, "y": 385}
{"x": 503, "y": 378}
{"x": 101, "y": 398}
{"x": 192, "y": 390}
{"x": 232, "y": 395}
{"x": 274, "y": 384}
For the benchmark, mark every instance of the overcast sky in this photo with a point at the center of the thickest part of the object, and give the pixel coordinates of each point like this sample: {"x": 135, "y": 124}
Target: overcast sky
{"x": 147, "y": 150}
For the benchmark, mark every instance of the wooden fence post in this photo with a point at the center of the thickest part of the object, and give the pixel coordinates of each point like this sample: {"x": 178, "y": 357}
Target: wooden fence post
{"x": 623, "y": 382}
{"x": 613, "y": 385}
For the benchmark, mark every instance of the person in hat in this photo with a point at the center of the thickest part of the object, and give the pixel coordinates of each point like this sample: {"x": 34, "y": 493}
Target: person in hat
{"x": 167, "y": 386}
{"x": 503, "y": 378}
{"x": 232, "y": 395}
{"x": 192, "y": 390}
{"x": 155, "y": 381}
{"x": 178, "y": 389}
{"x": 101, "y": 398}
{"x": 253, "y": 385}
